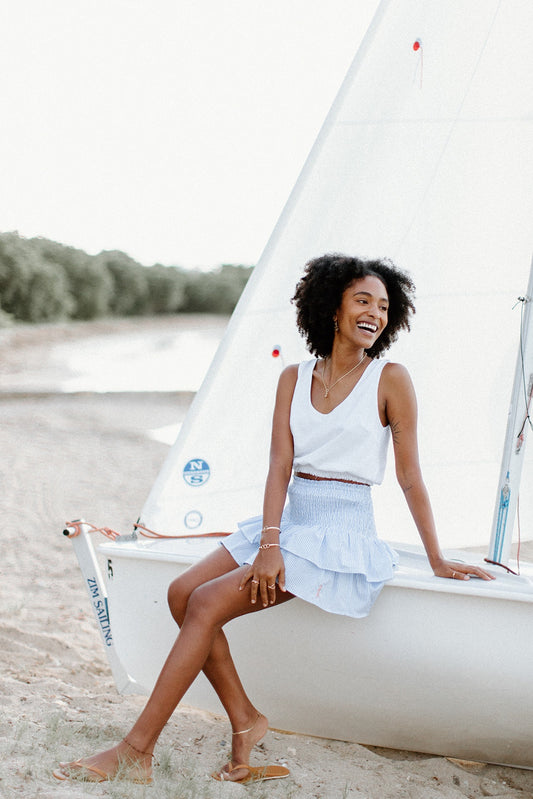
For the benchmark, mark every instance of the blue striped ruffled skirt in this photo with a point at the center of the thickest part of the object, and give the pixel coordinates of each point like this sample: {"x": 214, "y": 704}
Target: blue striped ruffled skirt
{"x": 333, "y": 557}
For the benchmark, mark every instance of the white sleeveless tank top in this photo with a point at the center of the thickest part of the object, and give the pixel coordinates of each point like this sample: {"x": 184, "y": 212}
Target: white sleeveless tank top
{"x": 349, "y": 443}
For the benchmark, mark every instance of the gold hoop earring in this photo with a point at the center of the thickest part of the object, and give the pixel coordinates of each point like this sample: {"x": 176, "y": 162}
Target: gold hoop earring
{"x": 335, "y": 326}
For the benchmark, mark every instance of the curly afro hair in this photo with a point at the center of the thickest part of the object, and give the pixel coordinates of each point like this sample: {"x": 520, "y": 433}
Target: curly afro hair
{"x": 319, "y": 294}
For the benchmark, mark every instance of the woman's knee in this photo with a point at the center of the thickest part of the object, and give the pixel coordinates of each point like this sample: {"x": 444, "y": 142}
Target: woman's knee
{"x": 177, "y": 597}
{"x": 204, "y": 606}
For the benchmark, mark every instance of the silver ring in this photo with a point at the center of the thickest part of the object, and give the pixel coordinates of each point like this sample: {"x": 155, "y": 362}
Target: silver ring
{"x": 453, "y": 575}
{"x": 271, "y": 586}
{"x": 256, "y": 582}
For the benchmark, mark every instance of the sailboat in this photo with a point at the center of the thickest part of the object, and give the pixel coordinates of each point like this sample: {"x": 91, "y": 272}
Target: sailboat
{"x": 425, "y": 157}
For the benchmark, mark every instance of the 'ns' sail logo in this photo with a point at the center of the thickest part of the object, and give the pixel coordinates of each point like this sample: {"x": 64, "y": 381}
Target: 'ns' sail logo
{"x": 196, "y": 472}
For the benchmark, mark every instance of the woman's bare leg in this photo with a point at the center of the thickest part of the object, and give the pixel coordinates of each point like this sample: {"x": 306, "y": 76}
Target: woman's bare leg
{"x": 201, "y": 644}
{"x": 211, "y": 604}
{"x": 218, "y": 667}
{"x": 248, "y": 724}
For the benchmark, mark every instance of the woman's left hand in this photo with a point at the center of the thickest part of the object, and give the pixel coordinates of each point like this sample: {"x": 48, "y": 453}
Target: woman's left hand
{"x": 267, "y": 570}
{"x": 460, "y": 571}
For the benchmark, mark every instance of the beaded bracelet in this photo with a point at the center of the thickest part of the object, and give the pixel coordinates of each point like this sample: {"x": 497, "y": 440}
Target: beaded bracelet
{"x": 267, "y": 546}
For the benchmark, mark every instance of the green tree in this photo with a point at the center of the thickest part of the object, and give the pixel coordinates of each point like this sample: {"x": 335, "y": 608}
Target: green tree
{"x": 217, "y": 291}
{"x": 42, "y": 280}
{"x": 31, "y": 290}
{"x": 15, "y": 274}
{"x": 166, "y": 289}
{"x": 49, "y": 298}
{"x": 90, "y": 282}
{"x": 130, "y": 291}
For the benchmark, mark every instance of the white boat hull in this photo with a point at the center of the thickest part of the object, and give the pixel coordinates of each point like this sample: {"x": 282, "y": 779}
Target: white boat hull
{"x": 439, "y": 667}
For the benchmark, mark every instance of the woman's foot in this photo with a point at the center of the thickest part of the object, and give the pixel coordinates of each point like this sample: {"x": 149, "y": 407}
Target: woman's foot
{"x": 123, "y": 761}
{"x": 242, "y": 743}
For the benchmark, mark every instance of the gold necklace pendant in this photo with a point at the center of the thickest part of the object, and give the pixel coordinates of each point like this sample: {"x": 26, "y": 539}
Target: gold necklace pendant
{"x": 328, "y": 388}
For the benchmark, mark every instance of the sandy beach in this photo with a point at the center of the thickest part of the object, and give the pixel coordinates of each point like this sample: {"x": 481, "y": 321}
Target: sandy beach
{"x": 90, "y": 454}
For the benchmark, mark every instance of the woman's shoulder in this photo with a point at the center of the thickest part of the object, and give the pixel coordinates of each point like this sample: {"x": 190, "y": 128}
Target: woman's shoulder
{"x": 291, "y": 370}
{"x": 395, "y": 377}
{"x": 394, "y": 370}
{"x": 289, "y": 376}
{"x": 287, "y": 385}
{"x": 294, "y": 369}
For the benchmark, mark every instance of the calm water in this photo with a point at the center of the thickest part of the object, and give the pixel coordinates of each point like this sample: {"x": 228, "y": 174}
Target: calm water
{"x": 155, "y": 360}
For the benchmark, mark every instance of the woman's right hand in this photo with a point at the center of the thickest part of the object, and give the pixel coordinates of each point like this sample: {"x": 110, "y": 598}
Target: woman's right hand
{"x": 267, "y": 569}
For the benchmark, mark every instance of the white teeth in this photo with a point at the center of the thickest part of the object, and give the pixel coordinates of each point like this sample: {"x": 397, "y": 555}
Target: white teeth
{"x": 367, "y": 326}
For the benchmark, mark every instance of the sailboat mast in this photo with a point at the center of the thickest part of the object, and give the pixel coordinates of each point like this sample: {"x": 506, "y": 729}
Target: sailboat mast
{"x": 518, "y": 422}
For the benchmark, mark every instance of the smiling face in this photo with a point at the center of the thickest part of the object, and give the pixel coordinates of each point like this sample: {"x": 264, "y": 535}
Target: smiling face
{"x": 363, "y": 313}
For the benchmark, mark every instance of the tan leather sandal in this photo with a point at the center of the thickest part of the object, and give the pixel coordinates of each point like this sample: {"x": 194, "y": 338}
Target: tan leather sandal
{"x": 77, "y": 770}
{"x": 255, "y": 773}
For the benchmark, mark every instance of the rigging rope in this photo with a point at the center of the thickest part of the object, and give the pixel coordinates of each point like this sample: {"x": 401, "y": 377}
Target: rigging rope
{"x": 152, "y": 534}
{"x": 74, "y": 528}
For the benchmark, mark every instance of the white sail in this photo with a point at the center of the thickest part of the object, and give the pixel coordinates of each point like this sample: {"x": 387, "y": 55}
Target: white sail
{"x": 426, "y": 157}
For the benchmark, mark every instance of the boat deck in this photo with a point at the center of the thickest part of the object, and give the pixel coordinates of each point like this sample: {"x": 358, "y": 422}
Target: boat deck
{"x": 413, "y": 572}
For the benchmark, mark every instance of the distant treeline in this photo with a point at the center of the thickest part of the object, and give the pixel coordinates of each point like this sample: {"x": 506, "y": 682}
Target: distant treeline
{"x": 43, "y": 281}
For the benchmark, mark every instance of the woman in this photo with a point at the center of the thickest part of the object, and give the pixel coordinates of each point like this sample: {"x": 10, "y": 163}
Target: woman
{"x": 332, "y": 421}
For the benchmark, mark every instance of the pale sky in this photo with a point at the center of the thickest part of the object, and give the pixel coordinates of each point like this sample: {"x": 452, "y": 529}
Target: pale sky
{"x": 171, "y": 129}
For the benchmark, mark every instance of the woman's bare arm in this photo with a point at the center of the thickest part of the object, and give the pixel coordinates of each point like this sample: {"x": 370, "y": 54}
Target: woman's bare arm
{"x": 399, "y": 408}
{"x": 268, "y": 567}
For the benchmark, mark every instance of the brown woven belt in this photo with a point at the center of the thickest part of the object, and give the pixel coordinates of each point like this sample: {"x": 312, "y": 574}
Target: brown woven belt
{"x": 330, "y": 479}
